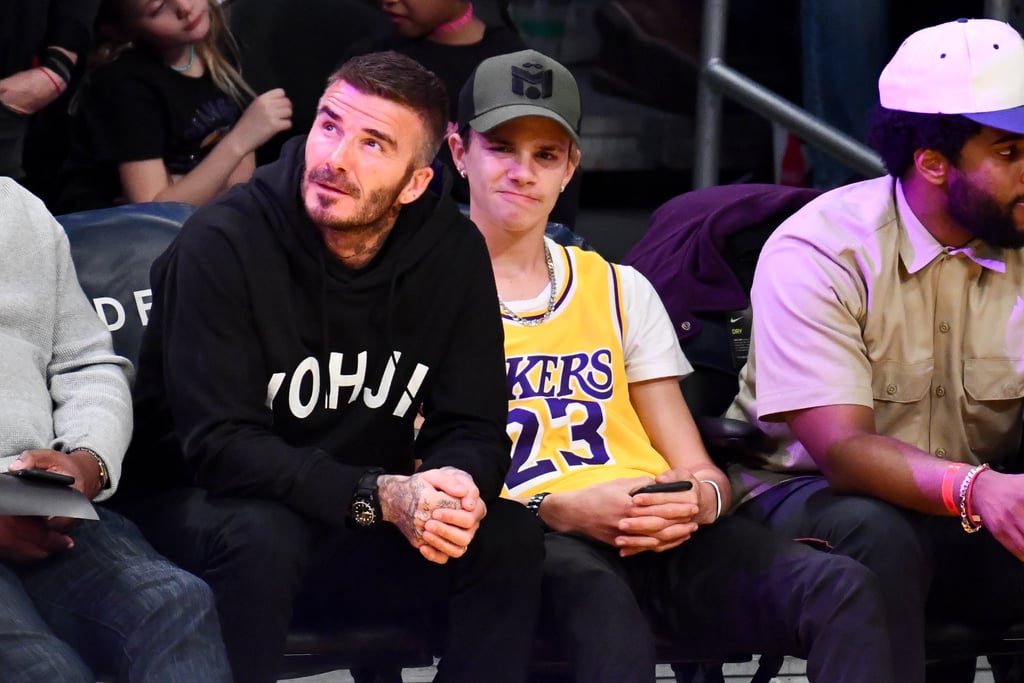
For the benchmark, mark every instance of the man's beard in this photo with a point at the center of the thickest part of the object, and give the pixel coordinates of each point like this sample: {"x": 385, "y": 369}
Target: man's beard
{"x": 980, "y": 214}
{"x": 379, "y": 210}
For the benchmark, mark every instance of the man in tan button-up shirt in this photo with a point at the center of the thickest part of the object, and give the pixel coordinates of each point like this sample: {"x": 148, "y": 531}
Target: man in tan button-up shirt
{"x": 889, "y": 347}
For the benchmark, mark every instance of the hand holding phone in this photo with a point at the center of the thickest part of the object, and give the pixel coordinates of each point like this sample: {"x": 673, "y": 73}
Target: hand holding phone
{"x": 669, "y": 487}
{"x": 45, "y": 476}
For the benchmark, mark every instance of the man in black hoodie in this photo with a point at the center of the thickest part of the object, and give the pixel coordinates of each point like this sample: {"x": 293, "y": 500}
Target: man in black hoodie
{"x": 299, "y": 323}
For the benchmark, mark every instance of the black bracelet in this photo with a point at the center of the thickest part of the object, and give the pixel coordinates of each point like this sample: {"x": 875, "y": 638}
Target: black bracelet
{"x": 58, "y": 62}
{"x": 533, "y": 505}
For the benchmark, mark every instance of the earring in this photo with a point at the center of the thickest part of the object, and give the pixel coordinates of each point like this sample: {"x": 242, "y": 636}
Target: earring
{"x": 562, "y": 190}
{"x": 462, "y": 172}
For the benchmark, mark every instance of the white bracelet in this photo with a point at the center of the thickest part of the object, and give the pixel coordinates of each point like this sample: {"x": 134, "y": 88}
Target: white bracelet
{"x": 718, "y": 497}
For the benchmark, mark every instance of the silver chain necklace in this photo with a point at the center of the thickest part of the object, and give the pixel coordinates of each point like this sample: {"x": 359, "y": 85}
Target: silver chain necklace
{"x": 532, "y": 322}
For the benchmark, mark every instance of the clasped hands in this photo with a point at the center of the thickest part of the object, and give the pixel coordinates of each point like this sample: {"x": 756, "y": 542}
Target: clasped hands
{"x": 633, "y": 524}
{"x": 438, "y": 511}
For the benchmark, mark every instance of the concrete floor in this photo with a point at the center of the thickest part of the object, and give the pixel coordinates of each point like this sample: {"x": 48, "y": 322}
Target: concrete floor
{"x": 793, "y": 671}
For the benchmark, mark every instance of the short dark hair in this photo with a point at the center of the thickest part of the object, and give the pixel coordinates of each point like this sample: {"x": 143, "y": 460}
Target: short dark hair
{"x": 400, "y": 79}
{"x": 896, "y": 135}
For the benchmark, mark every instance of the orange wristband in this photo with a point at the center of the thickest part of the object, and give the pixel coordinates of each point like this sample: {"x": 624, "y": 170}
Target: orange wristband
{"x": 56, "y": 84}
{"x": 947, "y": 487}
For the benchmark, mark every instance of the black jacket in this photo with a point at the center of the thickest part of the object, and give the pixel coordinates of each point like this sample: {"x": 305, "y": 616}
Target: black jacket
{"x": 271, "y": 364}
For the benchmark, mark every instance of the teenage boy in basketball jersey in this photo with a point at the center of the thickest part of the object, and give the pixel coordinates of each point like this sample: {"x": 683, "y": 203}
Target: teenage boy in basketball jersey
{"x": 595, "y": 413}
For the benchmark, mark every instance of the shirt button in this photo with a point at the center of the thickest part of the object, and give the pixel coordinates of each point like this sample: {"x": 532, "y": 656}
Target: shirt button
{"x": 940, "y": 391}
{"x": 890, "y": 389}
{"x": 943, "y": 327}
{"x": 941, "y": 452}
{"x": 685, "y": 325}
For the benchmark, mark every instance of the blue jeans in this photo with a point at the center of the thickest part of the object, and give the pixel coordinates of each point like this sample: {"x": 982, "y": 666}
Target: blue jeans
{"x": 110, "y": 606}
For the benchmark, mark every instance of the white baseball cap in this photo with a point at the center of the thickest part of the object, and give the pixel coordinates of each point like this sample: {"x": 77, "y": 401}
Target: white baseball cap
{"x": 971, "y": 67}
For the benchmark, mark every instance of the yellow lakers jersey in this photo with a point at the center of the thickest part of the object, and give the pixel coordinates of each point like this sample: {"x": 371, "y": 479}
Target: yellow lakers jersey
{"x": 569, "y": 415}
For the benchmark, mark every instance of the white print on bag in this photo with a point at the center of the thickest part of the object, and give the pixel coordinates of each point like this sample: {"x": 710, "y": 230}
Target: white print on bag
{"x": 105, "y": 306}
{"x": 302, "y": 403}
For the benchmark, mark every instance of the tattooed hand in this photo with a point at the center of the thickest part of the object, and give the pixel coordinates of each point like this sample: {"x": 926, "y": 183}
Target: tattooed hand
{"x": 438, "y": 511}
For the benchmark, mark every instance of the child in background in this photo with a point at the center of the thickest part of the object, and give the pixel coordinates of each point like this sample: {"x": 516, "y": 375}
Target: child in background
{"x": 446, "y": 37}
{"x": 164, "y": 116}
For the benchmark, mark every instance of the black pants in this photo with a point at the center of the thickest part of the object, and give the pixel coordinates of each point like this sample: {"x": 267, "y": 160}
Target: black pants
{"x": 265, "y": 562}
{"x": 733, "y": 588}
{"x": 925, "y": 564}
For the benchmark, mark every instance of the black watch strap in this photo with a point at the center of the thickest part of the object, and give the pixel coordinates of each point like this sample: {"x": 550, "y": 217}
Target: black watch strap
{"x": 364, "y": 508}
{"x": 533, "y": 505}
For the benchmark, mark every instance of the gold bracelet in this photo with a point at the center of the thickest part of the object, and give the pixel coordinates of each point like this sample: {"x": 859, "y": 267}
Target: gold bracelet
{"x": 971, "y": 523}
{"x": 104, "y": 477}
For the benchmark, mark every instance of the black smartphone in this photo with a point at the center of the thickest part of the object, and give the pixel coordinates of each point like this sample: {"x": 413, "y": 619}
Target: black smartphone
{"x": 33, "y": 474}
{"x": 670, "y": 487}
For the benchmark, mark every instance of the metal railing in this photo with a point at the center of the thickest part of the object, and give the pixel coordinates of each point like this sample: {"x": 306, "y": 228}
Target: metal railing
{"x": 718, "y": 79}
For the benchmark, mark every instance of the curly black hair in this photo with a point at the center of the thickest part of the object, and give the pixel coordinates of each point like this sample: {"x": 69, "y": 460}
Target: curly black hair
{"x": 896, "y": 135}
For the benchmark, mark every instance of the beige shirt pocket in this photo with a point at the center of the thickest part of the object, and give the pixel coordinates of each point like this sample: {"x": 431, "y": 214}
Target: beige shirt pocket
{"x": 994, "y": 397}
{"x": 900, "y": 391}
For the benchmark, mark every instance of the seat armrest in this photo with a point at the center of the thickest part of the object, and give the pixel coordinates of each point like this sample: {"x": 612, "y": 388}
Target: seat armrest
{"x": 726, "y": 432}
{"x": 728, "y": 440}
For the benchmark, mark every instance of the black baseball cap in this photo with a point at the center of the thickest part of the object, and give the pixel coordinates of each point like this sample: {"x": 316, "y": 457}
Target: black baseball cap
{"x": 524, "y": 83}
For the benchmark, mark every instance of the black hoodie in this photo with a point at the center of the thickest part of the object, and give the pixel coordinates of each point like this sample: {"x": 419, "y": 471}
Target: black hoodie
{"x": 280, "y": 374}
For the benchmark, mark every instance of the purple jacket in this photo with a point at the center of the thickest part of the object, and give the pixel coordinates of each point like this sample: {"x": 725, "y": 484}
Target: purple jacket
{"x": 682, "y": 251}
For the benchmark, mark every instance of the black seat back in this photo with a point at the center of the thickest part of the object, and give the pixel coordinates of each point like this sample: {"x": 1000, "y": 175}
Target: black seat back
{"x": 113, "y": 250}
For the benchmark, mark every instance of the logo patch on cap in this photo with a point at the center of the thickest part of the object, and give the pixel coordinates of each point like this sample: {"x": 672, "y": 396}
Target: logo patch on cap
{"x": 532, "y": 81}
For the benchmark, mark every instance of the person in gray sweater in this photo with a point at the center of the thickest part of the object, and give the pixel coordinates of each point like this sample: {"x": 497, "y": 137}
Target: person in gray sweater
{"x": 78, "y": 601}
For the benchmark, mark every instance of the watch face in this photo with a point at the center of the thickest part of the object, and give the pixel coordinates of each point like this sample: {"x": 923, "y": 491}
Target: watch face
{"x": 363, "y": 513}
